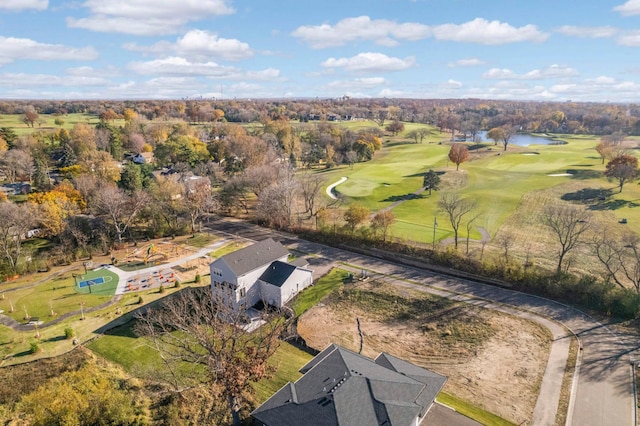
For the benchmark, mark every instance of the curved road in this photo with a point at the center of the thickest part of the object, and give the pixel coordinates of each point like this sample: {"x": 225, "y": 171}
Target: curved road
{"x": 603, "y": 391}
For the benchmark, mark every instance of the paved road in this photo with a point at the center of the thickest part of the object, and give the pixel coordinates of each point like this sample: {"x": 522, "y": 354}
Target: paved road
{"x": 603, "y": 392}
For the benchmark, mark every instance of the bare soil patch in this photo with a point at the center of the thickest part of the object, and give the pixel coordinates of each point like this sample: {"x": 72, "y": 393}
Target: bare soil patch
{"x": 492, "y": 360}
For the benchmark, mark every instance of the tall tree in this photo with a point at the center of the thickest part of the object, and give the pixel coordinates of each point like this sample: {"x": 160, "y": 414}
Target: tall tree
{"x": 382, "y": 221}
{"x": 624, "y": 168}
{"x": 395, "y": 127}
{"x": 459, "y": 153}
{"x": 16, "y": 221}
{"x": 119, "y": 208}
{"x": 569, "y": 225}
{"x": 30, "y": 116}
{"x": 455, "y": 208}
{"x": 431, "y": 181}
{"x": 203, "y": 341}
{"x": 199, "y": 200}
{"x": 355, "y": 215}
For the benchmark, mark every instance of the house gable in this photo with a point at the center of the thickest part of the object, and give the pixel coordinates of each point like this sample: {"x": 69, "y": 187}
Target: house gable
{"x": 340, "y": 387}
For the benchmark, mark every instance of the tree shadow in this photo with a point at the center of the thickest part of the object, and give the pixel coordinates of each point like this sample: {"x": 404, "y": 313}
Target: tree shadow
{"x": 614, "y": 205}
{"x": 588, "y": 195}
{"x": 405, "y": 197}
{"x": 421, "y": 174}
{"x": 55, "y": 339}
{"x": 584, "y": 174}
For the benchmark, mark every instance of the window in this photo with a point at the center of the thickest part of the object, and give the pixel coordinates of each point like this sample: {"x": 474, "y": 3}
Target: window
{"x": 243, "y": 292}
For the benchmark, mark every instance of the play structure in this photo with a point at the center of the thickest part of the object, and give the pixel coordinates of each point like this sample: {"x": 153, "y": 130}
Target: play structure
{"x": 144, "y": 255}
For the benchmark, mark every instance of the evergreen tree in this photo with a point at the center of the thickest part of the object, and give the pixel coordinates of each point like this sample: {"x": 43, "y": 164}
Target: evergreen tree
{"x": 431, "y": 181}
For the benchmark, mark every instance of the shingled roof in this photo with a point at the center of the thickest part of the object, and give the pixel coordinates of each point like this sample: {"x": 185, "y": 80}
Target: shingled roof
{"x": 340, "y": 387}
{"x": 254, "y": 256}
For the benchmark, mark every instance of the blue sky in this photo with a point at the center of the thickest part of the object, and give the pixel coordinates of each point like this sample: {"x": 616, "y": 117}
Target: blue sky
{"x": 155, "y": 49}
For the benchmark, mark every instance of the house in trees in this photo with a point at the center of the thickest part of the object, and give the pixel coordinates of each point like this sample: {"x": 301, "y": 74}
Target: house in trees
{"x": 340, "y": 387}
{"x": 258, "y": 273}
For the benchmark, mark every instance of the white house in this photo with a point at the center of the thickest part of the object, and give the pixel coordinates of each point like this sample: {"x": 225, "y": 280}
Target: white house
{"x": 258, "y": 273}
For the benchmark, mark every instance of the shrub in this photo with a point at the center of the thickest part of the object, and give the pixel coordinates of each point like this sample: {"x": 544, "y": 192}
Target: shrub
{"x": 69, "y": 333}
{"x": 161, "y": 289}
{"x": 35, "y": 348}
{"x": 140, "y": 301}
{"x": 197, "y": 278}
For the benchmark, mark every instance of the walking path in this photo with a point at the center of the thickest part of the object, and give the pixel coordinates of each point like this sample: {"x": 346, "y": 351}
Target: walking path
{"x": 330, "y": 192}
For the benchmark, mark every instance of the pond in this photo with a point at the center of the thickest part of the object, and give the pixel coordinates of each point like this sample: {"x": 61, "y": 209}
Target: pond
{"x": 523, "y": 139}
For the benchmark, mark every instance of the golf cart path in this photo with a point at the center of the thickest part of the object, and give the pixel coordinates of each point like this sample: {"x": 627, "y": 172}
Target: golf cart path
{"x": 330, "y": 192}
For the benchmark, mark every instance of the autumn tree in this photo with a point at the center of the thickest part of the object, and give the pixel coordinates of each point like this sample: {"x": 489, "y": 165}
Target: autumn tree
{"x": 503, "y": 134}
{"x": 624, "y": 168}
{"x": 569, "y": 225}
{"x": 431, "y": 181}
{"x": 382, "y": 220}
{"x": 310, "y": 186}
{"x": 56, "y": 206}
{"x": 203, "y": 342}
{"x": 455, "y": 208}
{"x": 459, "y": 153}
{"x": 418, "y": 135}
{"x": 17, "y": 164}
{"x": 355, "y": 215}
{"x": 276, "y": 202}
{"x": 30, "y": 116}
{"x": 605, "y": 149}
{"x": 395, "y": 127}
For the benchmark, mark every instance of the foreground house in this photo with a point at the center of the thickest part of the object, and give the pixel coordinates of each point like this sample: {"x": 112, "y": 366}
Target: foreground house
{"x": 340, "y": 387}
{"x": 259, "y": 273}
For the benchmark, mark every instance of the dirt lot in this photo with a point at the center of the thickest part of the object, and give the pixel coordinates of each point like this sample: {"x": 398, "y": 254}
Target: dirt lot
{"x": 492, "y": 360}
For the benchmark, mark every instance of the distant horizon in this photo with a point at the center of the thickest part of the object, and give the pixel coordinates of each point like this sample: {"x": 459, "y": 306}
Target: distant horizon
{"x": 549, "y": 51}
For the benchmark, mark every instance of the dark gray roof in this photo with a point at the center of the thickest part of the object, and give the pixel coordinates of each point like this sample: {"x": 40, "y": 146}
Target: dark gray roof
{"x": 340, "y": 387}
{"x": 300, "y": 262}
{"x": 256, "y": 255}
{"x": 277, "y": 273}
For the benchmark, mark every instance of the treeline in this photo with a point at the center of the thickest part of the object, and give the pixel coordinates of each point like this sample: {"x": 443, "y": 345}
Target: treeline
{"x": 455, "y": 115}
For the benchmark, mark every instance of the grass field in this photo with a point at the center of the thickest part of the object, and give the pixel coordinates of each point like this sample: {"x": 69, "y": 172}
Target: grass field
{"x": 311, "y": 296}
{"x": 14, "y": 121}
{"x": 496, "y": 180}
{"x": 107, "y": 288}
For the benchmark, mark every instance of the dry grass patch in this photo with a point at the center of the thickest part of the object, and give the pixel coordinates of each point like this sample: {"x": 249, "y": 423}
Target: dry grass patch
{"x": 492, "y": 359}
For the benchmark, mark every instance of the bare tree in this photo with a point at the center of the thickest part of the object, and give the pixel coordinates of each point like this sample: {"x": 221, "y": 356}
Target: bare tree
{"x": 569, "y": 224}
{"x": 620, "y": 257}
{"x": 383, "y": 220}
{"x": 203, "y": 342}
{"x": 469, "y": 225}
{"x": 119, "y": 207}
{"x": 16, "y": 221}
{"x": 199, "y": 200}
{"x": 17, "y": 164}
{"x": 310, "y": 186}
{"x": 455, "y": 208}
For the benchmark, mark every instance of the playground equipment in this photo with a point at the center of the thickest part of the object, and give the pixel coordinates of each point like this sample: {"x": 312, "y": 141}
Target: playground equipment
{"x": 153, "y": 251}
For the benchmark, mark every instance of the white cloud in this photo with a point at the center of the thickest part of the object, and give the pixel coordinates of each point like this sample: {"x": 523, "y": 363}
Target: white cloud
{"x": 467, "y": 62}
{"x": 146, "y": 17}
{"x": 24, "y": 4}
{"x": 361, "y": 28}
{"x": 94, "y": 72}
{"x": 18, "y": 80}
{"x": 553, "y": 71}
{"x": 370, "y": 62}
{"x": 357, "y": 83}
{"x": 390, "y": 93}
{"x": 12, "y": 49}
{"x": 588, "y": 32}
{"x": 452, "y": 84}
{"x": 484, "y": 32}
{"x": 177, "y": 66}
{"x": 630, "y": 8}
{"x": 631, "y": 38}
{"x": 199, "y": 44}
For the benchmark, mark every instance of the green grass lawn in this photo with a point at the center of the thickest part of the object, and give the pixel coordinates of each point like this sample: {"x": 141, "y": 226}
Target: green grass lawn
{"x": 108, "y": 288}
{"x": 14, "y": 121}
{"x": 228, "y": 248}
{"x": 475, "y": 413}
{"x": 311, "y": 296}
{"x": 58, "y": 294}
{"x": 288, "y": 360}
{"x": 494, "y": 179}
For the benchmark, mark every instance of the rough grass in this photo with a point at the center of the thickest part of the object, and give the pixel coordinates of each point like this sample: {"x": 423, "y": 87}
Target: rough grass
{"x": 228, "y": 248}
{"x": 14, "y": 121}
